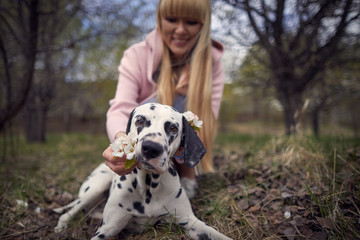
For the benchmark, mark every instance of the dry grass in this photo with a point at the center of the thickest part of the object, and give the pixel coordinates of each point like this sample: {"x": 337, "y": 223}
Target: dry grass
{"x": 258, "y": 179}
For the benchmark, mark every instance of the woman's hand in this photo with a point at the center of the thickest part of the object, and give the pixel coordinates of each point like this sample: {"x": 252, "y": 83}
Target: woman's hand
{"x": 116, "y": 164}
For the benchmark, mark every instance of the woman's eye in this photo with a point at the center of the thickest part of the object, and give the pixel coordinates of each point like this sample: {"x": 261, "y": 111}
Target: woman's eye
{"x": 192, "y": 22}
{"x": 171, "y": 19}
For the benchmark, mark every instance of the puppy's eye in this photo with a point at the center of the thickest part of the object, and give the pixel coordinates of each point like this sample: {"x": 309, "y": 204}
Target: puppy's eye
{"x": 140, "y": 122}
{"x": 173, "y": 129}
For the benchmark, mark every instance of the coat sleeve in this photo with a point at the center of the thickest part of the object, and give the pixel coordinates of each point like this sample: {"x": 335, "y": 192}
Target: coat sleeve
{"x": 126, "y": 96}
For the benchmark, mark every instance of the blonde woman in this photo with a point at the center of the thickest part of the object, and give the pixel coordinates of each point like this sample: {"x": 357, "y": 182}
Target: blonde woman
{"x": 178, "y": 64}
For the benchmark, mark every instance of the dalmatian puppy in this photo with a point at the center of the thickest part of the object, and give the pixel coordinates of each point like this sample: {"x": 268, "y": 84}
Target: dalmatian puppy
{"x": 152, "y": 192}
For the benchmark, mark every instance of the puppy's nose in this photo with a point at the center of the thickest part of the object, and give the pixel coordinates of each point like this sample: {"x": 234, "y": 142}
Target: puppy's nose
{"x": 151, "y": 149}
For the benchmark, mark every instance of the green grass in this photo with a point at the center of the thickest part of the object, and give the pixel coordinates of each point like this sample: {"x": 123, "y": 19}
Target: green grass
{"x": 321, "y": 173}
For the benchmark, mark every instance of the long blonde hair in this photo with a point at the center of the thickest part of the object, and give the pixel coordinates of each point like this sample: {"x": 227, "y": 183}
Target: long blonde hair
{"x": 200, "y": 70}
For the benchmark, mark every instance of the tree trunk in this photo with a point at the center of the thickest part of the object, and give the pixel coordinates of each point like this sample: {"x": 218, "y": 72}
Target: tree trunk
{"x": 256, "y": 105}
{"x": 315, "y": 122}
{"x": 355, "y": 119}
{"x": 16, "y": 98}
{"x": 292, "y": 104}
{"x": 35, "y": 122}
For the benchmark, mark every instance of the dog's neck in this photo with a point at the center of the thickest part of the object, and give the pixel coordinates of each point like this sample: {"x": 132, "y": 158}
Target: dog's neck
{"x": 147, "y": 179}
{"x": 152, "y": 182}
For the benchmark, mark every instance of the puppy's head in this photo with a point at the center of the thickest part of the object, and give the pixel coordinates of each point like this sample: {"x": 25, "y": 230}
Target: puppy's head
{"x": 160, "y": 130}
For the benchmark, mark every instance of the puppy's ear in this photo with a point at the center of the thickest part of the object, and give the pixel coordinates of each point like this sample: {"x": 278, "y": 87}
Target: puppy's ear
{"x": 129, "y": 122}
{"x": 194, "y": 149}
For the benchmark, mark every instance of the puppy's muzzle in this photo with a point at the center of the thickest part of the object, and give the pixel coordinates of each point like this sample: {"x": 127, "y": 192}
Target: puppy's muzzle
{"x": 150, "y": 149}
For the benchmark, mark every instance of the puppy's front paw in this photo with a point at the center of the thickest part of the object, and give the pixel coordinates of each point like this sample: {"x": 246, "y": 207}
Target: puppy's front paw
{"x": 190, "y": 186}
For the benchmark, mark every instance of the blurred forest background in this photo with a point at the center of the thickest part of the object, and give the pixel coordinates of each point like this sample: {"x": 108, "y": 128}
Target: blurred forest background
{"x": 291, "y": 66}
{"x": 292, "y": 69}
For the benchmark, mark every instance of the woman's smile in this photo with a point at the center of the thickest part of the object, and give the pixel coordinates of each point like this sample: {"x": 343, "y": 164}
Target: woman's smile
{"x": 180, "y": 34}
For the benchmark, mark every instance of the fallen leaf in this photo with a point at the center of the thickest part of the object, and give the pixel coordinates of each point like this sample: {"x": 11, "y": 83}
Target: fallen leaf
{"x": 319, "y": 236}
{"x": 305, "y": 231}
{"x": 289, "y": 232}
{"x": 252, "y": 220}
{"x": 276, "y": 205}
{"x": 243, "y": 204}
{"x": 254, "y": 208}
{"x": 286, "y": 195}
{"x": 233, "y": 189}
{"x": 254, "y": 190}
{"x": 325, "y": 222}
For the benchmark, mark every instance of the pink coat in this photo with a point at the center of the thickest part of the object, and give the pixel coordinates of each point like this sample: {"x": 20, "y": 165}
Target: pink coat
{"x": 135, "y": 84}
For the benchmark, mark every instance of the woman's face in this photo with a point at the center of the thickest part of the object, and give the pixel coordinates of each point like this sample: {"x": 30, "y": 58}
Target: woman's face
{"x": 180, "y": 34}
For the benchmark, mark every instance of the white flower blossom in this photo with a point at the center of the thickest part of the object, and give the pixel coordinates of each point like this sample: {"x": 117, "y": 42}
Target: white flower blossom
{"x": 124, "y": 145}
{"x": 189, "y": 116}
{"x": 197, "y": 122}
{"x": 116, "y": 146}
{"x": 193, "y": 120}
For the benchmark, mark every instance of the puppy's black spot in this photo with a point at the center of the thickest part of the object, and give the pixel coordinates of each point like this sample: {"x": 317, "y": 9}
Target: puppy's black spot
{"x": 163, "y": 162}
{"x": 123, "y": 178}
{"x": 148, "y": 193}
{"x": 119, "y": 186}
{"x": 86, "y": 189}
{"x": 134, "y": 183}
{"x": 155, "y": 176}
{"x": 183, "y": 224}
{"x": 157, "y": 223}
{"x": 106, "y": 193}
{"x": 78, "y": 202}
{"x": 120, "y": 205}
{"x": 152, "y": 107}
{"x": 148, "y": 165}
{"x": 154, "y": 184}
{"x": 148, "y": 196}
{"x": 179, "y": 193}
{"x": 128, "y": 209}
{"x": 172, "y": 171}
{"x": 171, "y": 139}
{"x": 159, "y": 134}
{"x": 139, "y": 207}
{"x": 148, "y": 180}
{"x": 204, "y": 236}
{"x": 101, "y": 236}
{"x": 135, "y": 171}
{"x": 130, "y": 190}
{"x": 102, "y": 171}
{"x": 148, "y": 136}
{"x": 139, "y": 129}
{"x": 162, "y": 215}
